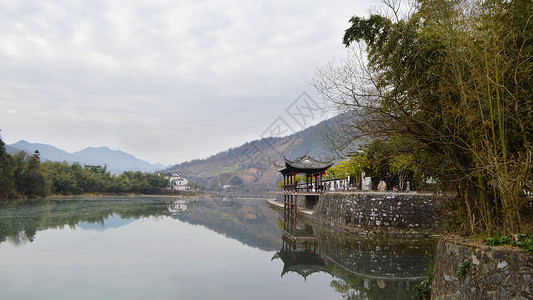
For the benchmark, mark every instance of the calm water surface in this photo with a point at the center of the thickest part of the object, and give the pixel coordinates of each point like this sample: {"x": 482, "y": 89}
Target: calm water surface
{"x": 173, "y": 248}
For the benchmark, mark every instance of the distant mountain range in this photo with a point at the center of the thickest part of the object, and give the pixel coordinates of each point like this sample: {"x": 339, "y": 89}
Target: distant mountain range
{"x": 253, "y": 162}
{"x": 116, "y": 161}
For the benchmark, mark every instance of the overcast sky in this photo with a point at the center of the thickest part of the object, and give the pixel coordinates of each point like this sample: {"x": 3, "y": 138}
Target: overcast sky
{"x": 164, "y": 80}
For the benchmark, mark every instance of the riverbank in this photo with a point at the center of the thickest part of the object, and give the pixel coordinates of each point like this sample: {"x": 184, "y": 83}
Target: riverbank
{"x": 371, "y": 213}
{"x": 463, "y": 269}
{"x": 467, "y": 270}
{"x": 6, "y": 201}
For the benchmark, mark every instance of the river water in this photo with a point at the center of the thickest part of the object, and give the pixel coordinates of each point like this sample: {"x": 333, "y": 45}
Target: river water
{"x": 178, "y": 248}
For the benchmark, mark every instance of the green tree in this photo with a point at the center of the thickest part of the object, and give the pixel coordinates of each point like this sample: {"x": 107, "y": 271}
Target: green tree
{"x": 30, "y": 180}
{"x": 299, "y": 179}
{"x": 7, "y": 182}
{"x": 62, "y": 178}
{"x": 342, "y": 170}
{"x": 452, "y": 78}
{"x": 236, "y": 181}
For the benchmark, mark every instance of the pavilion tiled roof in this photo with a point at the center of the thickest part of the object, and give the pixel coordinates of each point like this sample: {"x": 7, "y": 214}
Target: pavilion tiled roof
{"x": 307, "y": 162}
{"x": 304, "y": 163}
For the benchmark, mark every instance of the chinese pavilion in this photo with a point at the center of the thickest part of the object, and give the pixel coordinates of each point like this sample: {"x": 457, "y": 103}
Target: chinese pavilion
{"x": 313, "y": 170}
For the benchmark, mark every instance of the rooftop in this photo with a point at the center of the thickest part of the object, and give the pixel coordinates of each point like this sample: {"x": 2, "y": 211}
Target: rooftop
{"x": 304, "y": 164}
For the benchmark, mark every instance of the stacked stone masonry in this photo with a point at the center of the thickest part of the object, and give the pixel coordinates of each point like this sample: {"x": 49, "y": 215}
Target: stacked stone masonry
{"x": 378, "y": 212}
{"x": 465, "y": 271}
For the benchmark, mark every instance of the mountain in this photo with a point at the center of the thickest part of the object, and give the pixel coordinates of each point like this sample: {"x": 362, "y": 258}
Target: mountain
{"x": 253, "y": 163}
{"x": 47, "y": 152}
{"x": 116, "y": 161}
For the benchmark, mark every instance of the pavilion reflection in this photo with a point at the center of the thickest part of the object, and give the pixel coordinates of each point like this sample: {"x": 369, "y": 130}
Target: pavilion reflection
{"x": 362, "y": 267}
{"x": 299, "y": 251}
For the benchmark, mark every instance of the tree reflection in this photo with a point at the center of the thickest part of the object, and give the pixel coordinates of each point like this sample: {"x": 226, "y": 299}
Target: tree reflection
{"x": 20, "y": 222}
{"x": 248, "y": 220}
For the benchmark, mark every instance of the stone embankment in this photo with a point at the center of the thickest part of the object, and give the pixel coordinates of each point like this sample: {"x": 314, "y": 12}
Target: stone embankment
{"x": 378, "y": 213}
{"x": 465, "y": 271}
{"x": 461, "y": 270}
{"x": 369, "y": 213}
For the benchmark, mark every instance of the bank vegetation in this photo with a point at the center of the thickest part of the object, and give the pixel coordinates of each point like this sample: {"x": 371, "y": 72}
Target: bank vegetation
{"x": 450, "y": 84}
{"x": 23, "y": 175}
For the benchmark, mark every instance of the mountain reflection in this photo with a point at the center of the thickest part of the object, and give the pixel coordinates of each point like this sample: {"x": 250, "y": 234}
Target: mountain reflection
{"x": 249, "y": 221}
{"x": 20, "y": 222}
{"x": 363, "y": 267}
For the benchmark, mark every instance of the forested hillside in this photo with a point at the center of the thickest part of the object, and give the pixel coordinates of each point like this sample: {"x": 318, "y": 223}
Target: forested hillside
{"x": 250, "y": 166}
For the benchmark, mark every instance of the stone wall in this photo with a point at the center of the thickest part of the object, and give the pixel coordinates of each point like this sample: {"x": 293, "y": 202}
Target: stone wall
{"x": 465, "y": 271}
{"x": 382, "y": 257}
{"x": 377, "y": 213}
{"x": 301, "y": 200}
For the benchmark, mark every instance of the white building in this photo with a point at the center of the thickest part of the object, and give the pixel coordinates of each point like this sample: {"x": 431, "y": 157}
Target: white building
{"x": 176, "y": 182}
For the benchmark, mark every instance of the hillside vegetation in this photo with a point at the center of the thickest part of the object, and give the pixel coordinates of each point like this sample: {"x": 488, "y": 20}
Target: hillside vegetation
{"x": 253, "y": 162}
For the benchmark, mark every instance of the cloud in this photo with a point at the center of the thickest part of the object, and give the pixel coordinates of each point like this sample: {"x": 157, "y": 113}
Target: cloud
{"x": 173, "y": 73}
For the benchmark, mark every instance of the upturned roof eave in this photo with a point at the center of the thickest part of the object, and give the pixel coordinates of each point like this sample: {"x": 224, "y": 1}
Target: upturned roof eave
{"x": 308, "y": 163}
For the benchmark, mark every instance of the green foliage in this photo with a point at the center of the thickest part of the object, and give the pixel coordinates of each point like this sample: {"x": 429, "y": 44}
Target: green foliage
{"x": 463, "y": 270}
{"x": 522, "y": 241}
{"x": 525, "y": 242}
{"x": 19, "y": 222}
{"x": 30, "y": 180}
{"x": 423, "y": 289}
{"x": 138, "y": 182}
{"x": 343, "y": 169}
{"x": 394, "y": 155}
{"x": 299, "y": 179}
{"x": 236, "y": 181}
{"x": 7, "y": 173}
{"x": 502, "y": 240}
{"x": 23, "y": 175}
{"x": 452, "y": 79}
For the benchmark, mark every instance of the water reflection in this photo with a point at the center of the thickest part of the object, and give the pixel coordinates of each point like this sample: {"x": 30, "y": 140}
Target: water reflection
{"x": 177, "y": 206}
{"x": 246, "y": 220}
{"x": 20, "y": 222}
{"x": 362, "y": 267}
{"x": 299, "y": 251}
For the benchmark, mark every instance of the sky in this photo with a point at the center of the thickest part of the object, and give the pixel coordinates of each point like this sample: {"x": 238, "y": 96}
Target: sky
{"x": 164, "y": 80}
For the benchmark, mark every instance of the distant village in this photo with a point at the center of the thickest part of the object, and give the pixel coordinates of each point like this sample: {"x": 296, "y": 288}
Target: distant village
{"x": 177, "y": 182}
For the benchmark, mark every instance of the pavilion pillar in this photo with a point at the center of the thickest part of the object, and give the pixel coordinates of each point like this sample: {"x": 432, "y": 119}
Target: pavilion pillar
{"x": 295, "y": 204}
{"x": 290, "y": 179}
{"x": 290, "y": 204}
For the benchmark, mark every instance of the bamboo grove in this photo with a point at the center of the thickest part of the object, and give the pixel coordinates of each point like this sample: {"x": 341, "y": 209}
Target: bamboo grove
{"x": 453, "y": 80}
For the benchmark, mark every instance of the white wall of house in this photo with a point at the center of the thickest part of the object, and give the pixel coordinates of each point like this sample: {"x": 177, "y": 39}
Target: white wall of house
{"x": 176, "y": 182}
